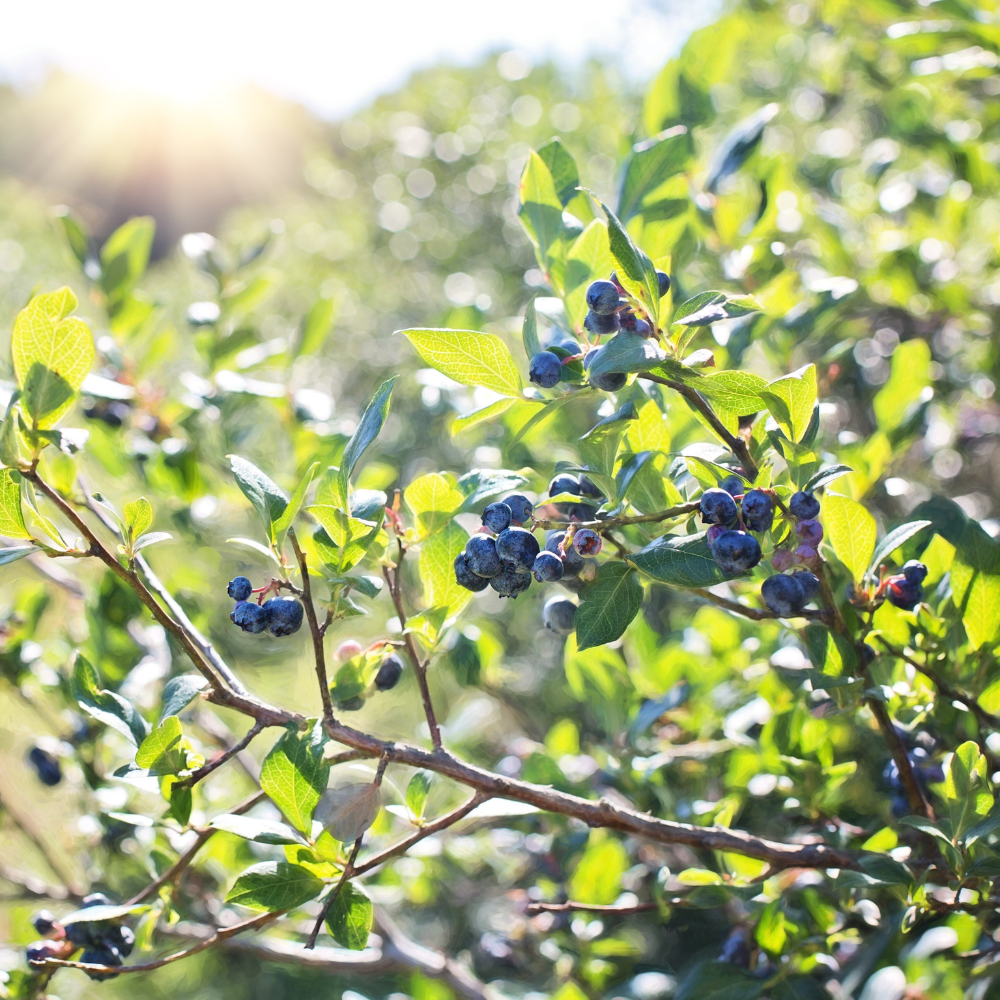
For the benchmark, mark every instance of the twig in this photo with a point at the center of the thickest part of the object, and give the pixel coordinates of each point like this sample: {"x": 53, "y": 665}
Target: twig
{"x": 201, "y": 772}
{"x": 617, "y": 522}
{"x": 314, "y": 627}
{"x": 573, "y": 907}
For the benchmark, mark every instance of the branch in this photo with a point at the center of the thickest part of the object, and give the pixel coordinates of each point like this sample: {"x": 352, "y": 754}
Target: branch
{"x": 314, "y": 627}
{"x": 616, "y": 522}
{"x": 752, "y": 613}
{"x": 571, "y": 907}
{"x": 207, "y": 769}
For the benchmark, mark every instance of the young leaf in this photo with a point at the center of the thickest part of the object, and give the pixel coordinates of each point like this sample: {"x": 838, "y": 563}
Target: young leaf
{"x": 851, "y": 531}
{"x": 106, "y": 706}
{"x": 607, "y": 605}
{"x": 529, "y": 331}
{"x": 350, "y": 535}
{"x": 347, "y": 811}
{"x": 791, "y": 400}
{"x": 598, "y": 875}
{"x": 150, "y": 538}
{"x": 735, "y": 391}
{"x": 562, "y": 169}
{"x": 650, "y": 164}
{"x": 433, "y": 500}
{"x": 488, "y": 412}
{"x": 599, "y": 445}
{"x": 371, "y": 423}
{"x": 274, "y": 885}
{"x": 179, "y": 692}
{"x": 11, "y": 515}
{"x": 262, "y": 831}
{"x": 770, "y": 933}
{"x": 351, "y": 917}
{"x": 138, "y": 518}
{"x": 294, "y": 774}
{"x": 160, "y": 752}
{"x": 315, "y": 326}
{"x": 284, "y": 522}
{"x": 893, "y": 540}
{"x": 710, "y": 307}
{"x": 416, "y": 793}
{"x": 476, "y": 359}
{"x": 267, "y": 497}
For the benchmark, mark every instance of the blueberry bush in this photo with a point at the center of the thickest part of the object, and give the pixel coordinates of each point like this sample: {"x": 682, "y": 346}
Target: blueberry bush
{"x": 657, "y": 688}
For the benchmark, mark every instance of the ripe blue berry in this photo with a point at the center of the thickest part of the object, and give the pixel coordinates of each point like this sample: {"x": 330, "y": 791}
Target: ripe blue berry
{"x": 95, "y": 899}
{"x": 601, "y": 325}
{"x": 642, "y": 328}
{"x": 240, "y": 588}
{"x": 520, "y": 508}
{"x": 284, "y": 615}
{"x": 569, "y": 345}
{"x": 902, "y": 593}
{"x": 915, "y": 572}
{"x": 564, "y": 483}
{"x": 389, "y": 673}
{"x": 664, "y": 280}
{"x": 588, "y": 489}
{"x": 481, "y": 553}
{"x": 464, "y": 576}
{"x": 803, "y": 505}
{"x": 517, "y": 546}
{"x": 120, "y": 938}
{"x": 101, "y": 956}
{"x": 43, "y": 922}
{"x": 545, "y": 369}
{"x": 249, "y": 616}
{"x": 757, "y": 506}
{"x": 547, "y": 567}
{"x": 783, "y": 595}
{"x": 558, "y": 615}
{"x": 510, "y": 583}
{"x": 496, "y": 517}
{"x": 602, "y": 297}
{"x": 733, "y": 485}
{"x": 809, "y": 582}
{"x": 736, "y": 551}
{"x": 46, "y": 766}
{"x": 810, "y": 531}
{"x": 717, "y": 507}
{"x": 587, "y": 542}
{"x": 572, "y": 560}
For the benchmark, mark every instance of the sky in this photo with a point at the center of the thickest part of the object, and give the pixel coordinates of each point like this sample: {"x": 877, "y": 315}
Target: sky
{"x": 333, "y": 56}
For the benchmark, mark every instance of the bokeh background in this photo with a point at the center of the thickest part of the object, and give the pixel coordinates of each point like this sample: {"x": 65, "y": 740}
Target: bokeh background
{"x": 359, "y": 171}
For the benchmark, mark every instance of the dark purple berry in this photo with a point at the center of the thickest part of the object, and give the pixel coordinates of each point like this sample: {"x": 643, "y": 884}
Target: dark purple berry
{"x": 95, "y": 899}
{"x": 717, "y": 507}
{"x": 46, "y": 766}
{"x": 240, "y": 588}
{"x": 757, "y": 506}
{"x": 736, "y": 551}
{"x": 564, "y": 483}
{"x": 608, "y": 381}
{"x": 101, "y": 956}
{"x": 810, "y": 531}
{"x": 713, "y": 533}
{"x": 510, "y": 583}
{"x": 809, "y": 582}
{"x": 783, "y": 595}
{"x": 601, "y": 325}
{"x": 803, "y": 505}
{"x": 481, "y": 553}
{"x": 602, "y": 297}
{"x": 517, "y": 546}
{"x": 43, "y": 922}
{"x": 39, "y": 951}
{"x": 520, "y": 508}
{"x": 558, "y": 615}
{"x": 804, "y": 554}
{"x": 389, "y": 673}
{"x": 547, "y": 567}
{"x": 249, "y": 616}
{"x": 588, "y": 489}
{"x": 902, "y": 593}
{"x": 121, "y": 938}
{"x": 284, "y": 616}
{"x": 915, "y": 572}
{"x": 572, "y": 560}
{"x": 587, "y": 542}
{"x": 464, "y": 576}
{"x": 781, "y": 559}
{"x": 545, "y": 369}
{"x": 496, "y": 517}
{"x": 733, "y": 485}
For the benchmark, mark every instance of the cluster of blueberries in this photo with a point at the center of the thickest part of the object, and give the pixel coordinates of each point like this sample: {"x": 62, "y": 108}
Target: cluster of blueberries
{"x": 906, "y": 590}
{"x": 608, "y": 312}
{"x": 105, "y": 942}
{"x": 279, "y": 616}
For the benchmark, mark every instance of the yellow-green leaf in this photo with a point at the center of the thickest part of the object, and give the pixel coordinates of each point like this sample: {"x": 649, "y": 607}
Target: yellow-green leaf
{"x": 598, "y": 876}
{"x": 791, "y": 400}
{"x": 488, "y": 412}
{"x": 851, "y": 531}
{"x": 138, "y": 517}
{"x": 161, "y": 750}
{"x": 433, "y": 499}
{"x": 477, "y": 359}
{"x": 11, "y": 516}
{"x": 437, "y": 569}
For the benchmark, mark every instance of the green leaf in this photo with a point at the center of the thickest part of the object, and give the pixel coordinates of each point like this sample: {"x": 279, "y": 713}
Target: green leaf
{"x": 984, "y": 868}
{"x": 967, "y": 787}
{"x": 351, "y": 917}
{"x": 151, "y": 538}
{"x": 712, "y": 980}
{"x": 437, "y": 569}
{"x": 529, "y": 331}
{"x": 315, "y": 326}
{"x": 16, "y": 552}
{"x": 791, "y": 400}
{"x": 416, "y": 793}
{"x": 433, "y": 500}
{"x": 138, "y": 518}
{"x": 541, "y": 209}
{"x": 851, "y": 531}
{"x": 351, "y": 535}
{"x": 597, "y": 878}
{"x": 975, "y": 584}
{"x": 124, "y": 258}
{"x": 274, "y": 885}
{"x": 180, "y": 798}
{"x": 735, "y": 391}
{"x": 106, "y": 706}
{"x": 476, "y": 359}
{"x": 562, "y": 169}
{"x": 349, "y": 810}
{"x": 627, "y": 352}
{"x": 267, "y": 497}
{"x": 770, "y": 933}
{"x": 427, "y": 624}
{"x": 91, "y": 914}
{"x": 909, "y": 375}
{"x": 369, "y": 505}
{"x": 75, "y": 231}
{"x": 38, "y": 518}
{"x": 52, "y": 354}
{"x": 284, "y": 522}
{"x": 599, "y": 446}
{"x": 710, "y": 307}
{"x": 489, "y": 412}
{"x": 262, "y": 831}
{"x": 893, "y": 540}
{"x": 607, "y": 605}
{"x": 294, "y": 774}
{"x": 681, "y": 560}
{"x": 11, "y": 515}
{"x": 826, "y": 476}
{"x": 160, "y": 752}
{"x": 369, "y": 427}
{"x": 983, "y": 828}
{"x": 257, "y": 547}
{"x": 886, "y": 870}
{"x": 10, "y": 445}
{"x": 481, "y": 484}
{"x": 830, "y": 653}
{"x": 650, "y": 164}
{"x": 179, "y": 692}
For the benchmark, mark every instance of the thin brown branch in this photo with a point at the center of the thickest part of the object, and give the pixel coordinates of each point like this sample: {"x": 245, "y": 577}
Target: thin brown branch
{"x": 315, "y": 629}
{"x": 207, "y": 769}
{"x": 573, "y": 907}
{"x": 752, "y": 613}
{"x": 174, "y": 872}
{"x": 616, "y": 522}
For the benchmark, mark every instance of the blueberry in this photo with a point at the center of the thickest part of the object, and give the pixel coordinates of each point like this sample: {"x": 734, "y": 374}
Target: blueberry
{"x": 783, "y": 595}
{"x": 717, "y": 507}
{"x": 735, "y": 950}
{"x": 249, "y": 616}
{"x": 496, "y": 517}
{"x": 43, "y": 922}
{"x": 464, "y": 576}
{"x": 810, "y": 531}
{"x": 608, "y": 381}
{"x": 352, "y": 704}
{"x": 46, "y": 766}
{"x": 642, "y": 328}
{"x": 284, "y": 615}
{"x": 600, "y": 325}
{"x": 915, "y": 572}
{"x": 803, "y": 505}
{"x": 781, "y": 559}
{"x": 602, "y": 297}
{"x": 569, "y": 345}
{"x": 79, "y": 932}
{"x": 564, "y": 484}
{"x": 588, "y": 489}
{"x": 804, "y": 554}
{"x": 571, "y": 559}
{"x": 580, "y": 512}
{"x": 389, "y": 673}
{"x": 545, "y": 369}
{"x": 588, "y": 358}
{"x": 101, "y": 956}
{"x": 757, "y": 506}
{"x": 809, "y": 582}
{"x": 664, "y": 281}
{"x": 95, "y": 899}
{"x": 736, "y": 551}
{"x": 587, "y": 542}
{"x": 733, "y": 485}
{"x": 547, "y": 567}
{"x": 510, "y": 583}
{"x": 121, "y": 939}
{"x": 481, "y": 553}
{"x": 902, "y": 593}
{"x": 38, "y": 951}
{"x": 714, "y": 532}
{"x": 240, "y": 588}
{"x": 558, "y": 615}
{"x": 520, "y": 508}
{"x": 519, "y": 547}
